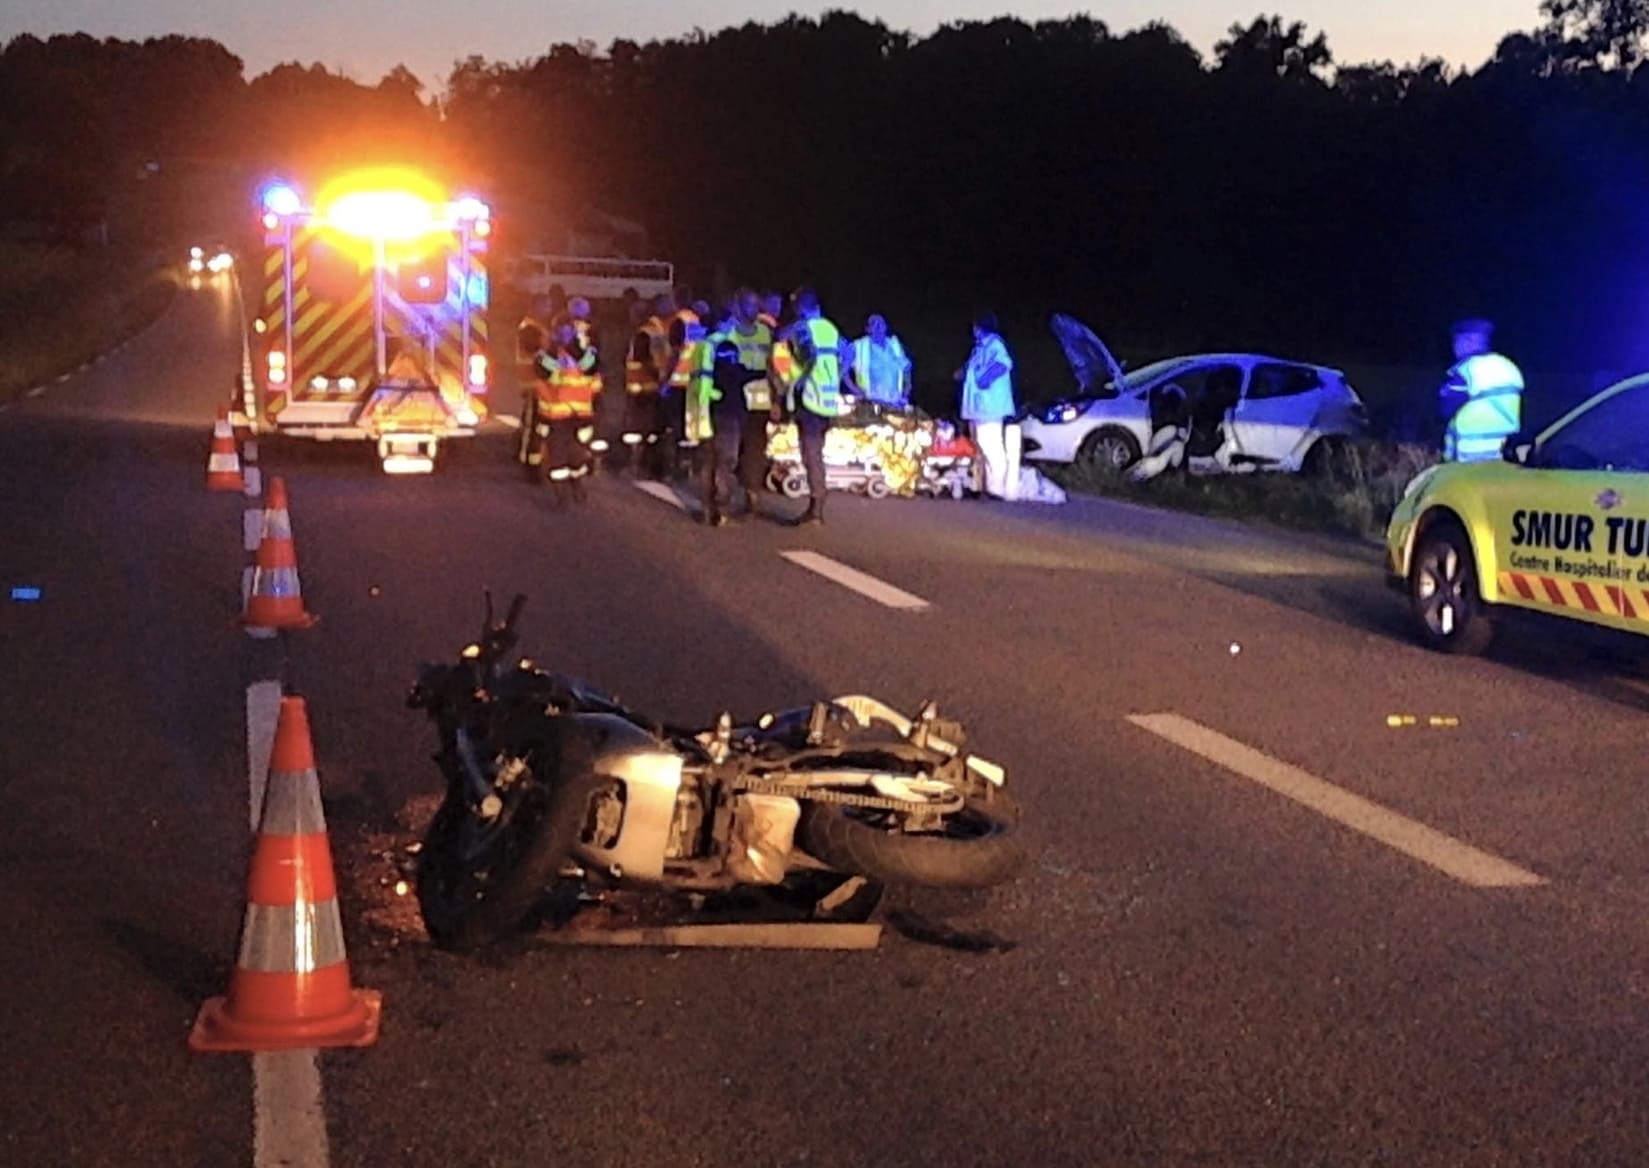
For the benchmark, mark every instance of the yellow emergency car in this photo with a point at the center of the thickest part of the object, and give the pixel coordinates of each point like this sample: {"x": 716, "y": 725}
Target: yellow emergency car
{"x": 1560, "y": 525}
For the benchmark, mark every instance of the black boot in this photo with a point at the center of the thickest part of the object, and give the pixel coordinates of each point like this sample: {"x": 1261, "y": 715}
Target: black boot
{"x": 813, "y": 516}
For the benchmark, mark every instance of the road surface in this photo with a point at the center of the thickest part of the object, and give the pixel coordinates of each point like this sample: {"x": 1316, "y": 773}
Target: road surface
{"x": 1260, "y": 925}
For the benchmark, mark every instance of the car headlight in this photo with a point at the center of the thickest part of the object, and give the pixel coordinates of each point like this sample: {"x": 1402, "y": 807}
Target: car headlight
{"x": 1060, "y": 413}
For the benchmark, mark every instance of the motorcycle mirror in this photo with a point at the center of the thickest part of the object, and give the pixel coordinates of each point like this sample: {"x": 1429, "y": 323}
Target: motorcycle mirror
{"x": 487, "y": 594}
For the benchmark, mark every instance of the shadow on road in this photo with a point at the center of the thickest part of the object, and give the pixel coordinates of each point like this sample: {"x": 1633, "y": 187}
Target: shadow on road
{"x": 191, "y": 974}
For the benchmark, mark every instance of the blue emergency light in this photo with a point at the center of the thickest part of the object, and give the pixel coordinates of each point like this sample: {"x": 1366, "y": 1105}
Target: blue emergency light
{"x": 280, "y": 199}
{"x": 25, "y": 594}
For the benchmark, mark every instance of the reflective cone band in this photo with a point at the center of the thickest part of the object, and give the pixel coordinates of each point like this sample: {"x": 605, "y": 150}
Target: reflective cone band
{"x": 276, "y": 600}
{"x": 290, "y": 989}
{"x": 223, "y": 471}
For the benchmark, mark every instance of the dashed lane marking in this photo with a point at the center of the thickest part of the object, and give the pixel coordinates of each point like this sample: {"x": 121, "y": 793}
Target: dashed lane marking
{"x": 251, "y": 524}
{"x": 860, "y": 582}
{"x": 252, "y": 480}
{"x": 37, "y": 391}
{"x": 62, "y": 377}
{"x": 249, "y": 452}
{"x": 509, "y": 420}
{"x": 288, "y": 1115}
{"x": 1448, "y": 855}
{"x": 662, "y": 492}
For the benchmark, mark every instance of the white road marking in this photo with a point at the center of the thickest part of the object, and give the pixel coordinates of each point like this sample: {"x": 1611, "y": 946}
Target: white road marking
{"x": 249, "y": 452}
{"x": 509, "y": 420}
{"x": 62, "y": 377}
{"x": 251, "y": 525}
{"x": 4, "y": 406}
{"x": 288, "y": 1117}
{"x": 662, "y": 492}
{"x": 37, "y": 391}
{"x": 253, "y": 479}
{"x": 866, "y": 585}
{"x": 263, "y": 710}
{"x": 1448, "y": 855}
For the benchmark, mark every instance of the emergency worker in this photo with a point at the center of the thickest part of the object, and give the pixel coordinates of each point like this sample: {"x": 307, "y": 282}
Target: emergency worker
{"x": 532, "y": 339}
{"x": 715, "y": 419}
{"x": 988, "y": 405}
{"x": 644, "y": 367}
{"x": 566, "y": 410}
{"x": 813, "y": 392}
{"x": 589, "y": 339}
{"x": 1481, "y": 402}
{"x": 686, "y": 334}
{"x": 772, "y": 307}
{"x": 879, "y": 370}
{"x": 755, "y": 344}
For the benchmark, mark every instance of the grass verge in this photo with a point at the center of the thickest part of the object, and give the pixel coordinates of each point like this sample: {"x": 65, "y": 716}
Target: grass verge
{"x": 62, "y": 306}
{"x": 1354, "y": 496}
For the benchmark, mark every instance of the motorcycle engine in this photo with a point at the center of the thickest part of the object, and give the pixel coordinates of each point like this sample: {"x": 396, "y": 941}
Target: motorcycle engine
{"x": 687, "y": 825}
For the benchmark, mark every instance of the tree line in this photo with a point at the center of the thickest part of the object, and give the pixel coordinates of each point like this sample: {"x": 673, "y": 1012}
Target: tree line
{"x": 1265, "y": 197}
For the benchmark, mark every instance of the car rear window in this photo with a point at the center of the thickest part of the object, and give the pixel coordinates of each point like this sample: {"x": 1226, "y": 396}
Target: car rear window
{"x": 1270, "y": 381}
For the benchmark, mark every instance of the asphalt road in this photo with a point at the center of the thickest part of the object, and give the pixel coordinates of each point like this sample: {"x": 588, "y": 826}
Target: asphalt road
{"x": 1201, "y": 971}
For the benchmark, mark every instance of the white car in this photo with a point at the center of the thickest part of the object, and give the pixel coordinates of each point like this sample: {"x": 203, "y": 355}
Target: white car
{"x": 1246, "y": 411}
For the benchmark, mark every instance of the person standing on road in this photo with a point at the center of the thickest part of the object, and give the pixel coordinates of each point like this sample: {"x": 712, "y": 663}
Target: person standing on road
{"x": 1481, "y": 401}
{"x": 879, "y": 371}
{"x": 532, "y": 339}
{"x": 566, "y": 411}
{"x": 988, "y": 405}
{"x": 715, "y": 417}
{"x": 685, "y": 336}
{"x": 814, "y": 396}
{"x": 755, "y": 343}
{"x": 646, "y": 369}
{"x": 772, "y": 307}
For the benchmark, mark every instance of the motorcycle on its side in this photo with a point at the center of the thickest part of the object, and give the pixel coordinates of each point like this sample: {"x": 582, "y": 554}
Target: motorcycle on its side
{"x": 548, "y": 780}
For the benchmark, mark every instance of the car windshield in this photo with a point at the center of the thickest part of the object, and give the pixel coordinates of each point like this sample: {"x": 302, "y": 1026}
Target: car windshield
{"x": 1612, "y": 434}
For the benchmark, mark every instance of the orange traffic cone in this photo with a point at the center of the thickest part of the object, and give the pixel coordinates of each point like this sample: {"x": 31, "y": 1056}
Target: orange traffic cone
{"x": 290, "y": 989}
{"x": 223, "y": 465}
{"x": 276, "y": 599}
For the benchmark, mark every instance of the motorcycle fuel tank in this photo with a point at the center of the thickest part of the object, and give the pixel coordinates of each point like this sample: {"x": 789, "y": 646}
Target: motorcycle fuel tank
{"x": 650, "y": 775}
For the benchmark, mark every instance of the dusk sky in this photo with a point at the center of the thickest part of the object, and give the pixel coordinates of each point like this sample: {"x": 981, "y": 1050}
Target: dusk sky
{"x": 366, "y": 37}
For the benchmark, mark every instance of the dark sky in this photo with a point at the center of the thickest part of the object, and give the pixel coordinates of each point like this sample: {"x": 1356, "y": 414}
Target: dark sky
{"x": 366, "y": 37}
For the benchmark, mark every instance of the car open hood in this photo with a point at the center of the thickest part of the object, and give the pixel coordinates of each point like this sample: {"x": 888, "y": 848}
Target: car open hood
{"x": 1093, "y": 364}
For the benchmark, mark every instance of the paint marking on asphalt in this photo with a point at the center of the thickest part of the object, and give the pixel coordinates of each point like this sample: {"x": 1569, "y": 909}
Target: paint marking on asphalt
{"x": 252, "y": 478}
{"x": 509, "y": 420}
{"x": 662, "y": 492}
{"x": 62, "y": 377}
{"x": 1448, "y": 855}
{"x": 249, "y": 451}
{"x": 37, "y": 391}
{"x": 4, "y": 406}
{"x": 263, "y": 710}
{"x": 860, "y": 582}
{"x": 288, "y": 1116}
{"x": 251, "y": 524}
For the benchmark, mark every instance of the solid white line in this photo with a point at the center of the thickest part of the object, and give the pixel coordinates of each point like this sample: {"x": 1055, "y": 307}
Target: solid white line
{"x": 252, "y": 478}
{"x": 509, "y": 420}
{"x": 288, "y": 1117}
{"x": 866, "y": 585}
{"x": 251, "y": 526}
{"x": 663, "y": 493}
{"x": 263, "y": 710}
{"x": 1448, "y": 855}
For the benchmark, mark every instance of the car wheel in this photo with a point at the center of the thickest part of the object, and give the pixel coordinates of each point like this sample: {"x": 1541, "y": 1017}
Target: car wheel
{"x": 1443, "y": 593}
{"x": 1108, "y": 450}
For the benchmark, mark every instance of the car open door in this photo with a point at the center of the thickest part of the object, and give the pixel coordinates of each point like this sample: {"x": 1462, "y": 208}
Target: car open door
{"x": 1276, "y": 412}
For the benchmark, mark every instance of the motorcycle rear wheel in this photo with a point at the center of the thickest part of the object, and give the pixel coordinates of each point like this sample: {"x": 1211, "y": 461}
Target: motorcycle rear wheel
{"x": 478, "y": 881}
{"x": 980, "y": 846}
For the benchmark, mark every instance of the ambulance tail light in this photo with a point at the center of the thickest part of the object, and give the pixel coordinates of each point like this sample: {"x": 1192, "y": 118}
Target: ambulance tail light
{"x": 277, "y": 367}
{"x": 478, "y": 370}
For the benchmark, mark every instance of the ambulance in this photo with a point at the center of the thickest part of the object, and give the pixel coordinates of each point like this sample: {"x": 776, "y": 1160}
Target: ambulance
{"x": 371, "y": 322}
{"x": 1559, "y": 525}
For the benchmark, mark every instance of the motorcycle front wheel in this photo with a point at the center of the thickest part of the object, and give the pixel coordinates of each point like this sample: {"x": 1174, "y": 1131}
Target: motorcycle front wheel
{"x": 978, "y": 847}
{"x": 479, "y": 878}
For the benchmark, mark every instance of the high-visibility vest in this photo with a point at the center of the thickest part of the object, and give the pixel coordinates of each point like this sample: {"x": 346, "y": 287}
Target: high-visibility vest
{"x": 565, "y": 389}
{"x": 589, "y": 363}
{"x": 1492, "y": 412}
{"x": 647, "y": 348}
{"x": 818, "y": 367}
{"x": 702, "y": 391}
{"x": 687, "y": 358}
{"x": 755, "y": 353}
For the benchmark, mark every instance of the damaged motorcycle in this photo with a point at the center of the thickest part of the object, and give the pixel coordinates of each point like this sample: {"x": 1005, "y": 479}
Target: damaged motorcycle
{"x": 549, "y": 781}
